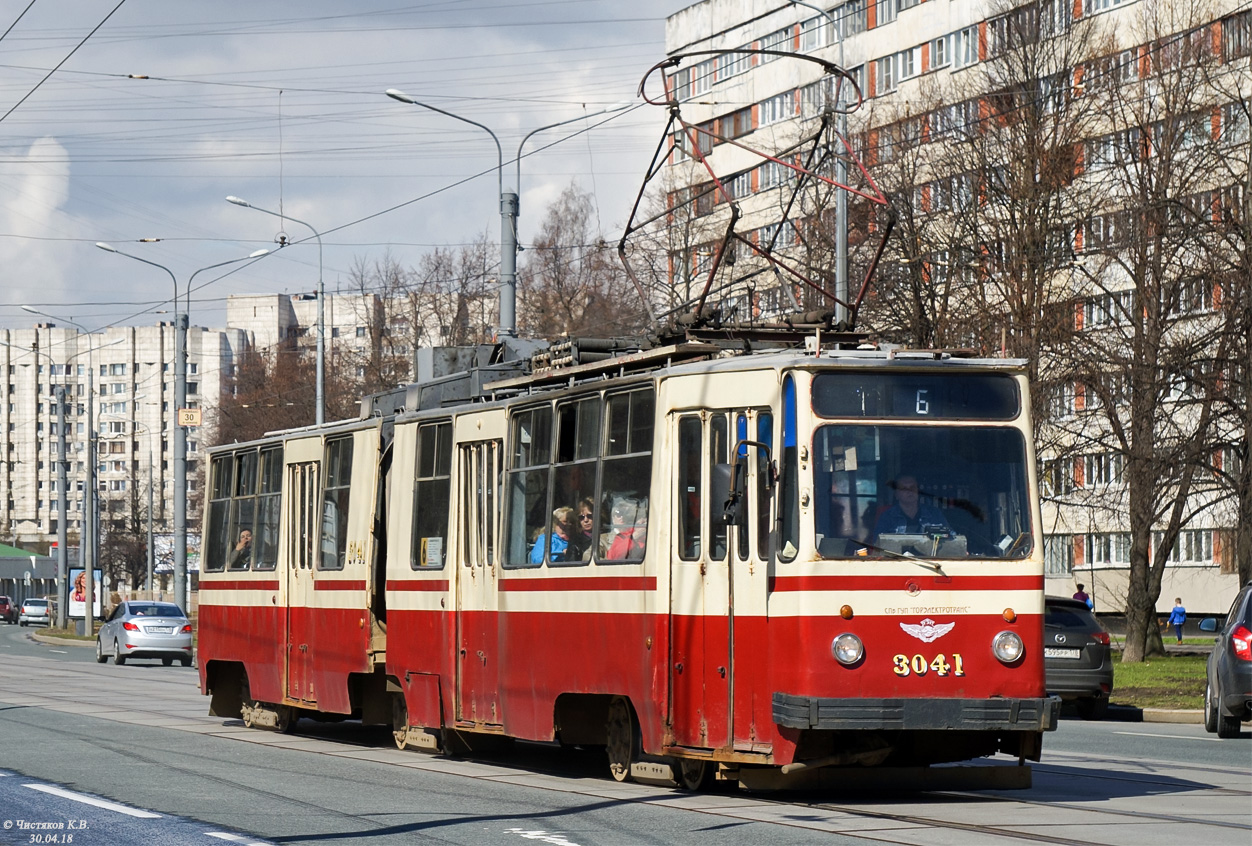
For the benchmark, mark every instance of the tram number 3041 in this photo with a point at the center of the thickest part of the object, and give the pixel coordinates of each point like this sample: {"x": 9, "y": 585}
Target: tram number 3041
{"x": 919, "y": 665}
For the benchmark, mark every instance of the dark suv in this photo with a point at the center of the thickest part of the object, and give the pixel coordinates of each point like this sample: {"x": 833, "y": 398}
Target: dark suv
{"x": 1228, "y": 690}
{"x": 8, "y": 610}
{"x": 1077, "y": 659}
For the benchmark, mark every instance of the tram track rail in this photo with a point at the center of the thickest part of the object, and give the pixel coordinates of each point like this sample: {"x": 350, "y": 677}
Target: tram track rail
{"x": 877, "y": 819}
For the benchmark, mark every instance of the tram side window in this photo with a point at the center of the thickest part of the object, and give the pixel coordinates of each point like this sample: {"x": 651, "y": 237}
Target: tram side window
{"x": 242, "y": 512}
{"x": 574, "y": 480}
{"x": 764, "y": 470}
{"x": 528, "y": 513}
{"x": 335, "y": 500}
{"x": 268, "y": 507}
{"x": 626, "y": 476}
{"x": 432, "y": 490}
{"x": 689, "y": 499}
{"x": 789, "y": 481}
{"x": 719, "y": 453}
{"x": 219, "y": 510}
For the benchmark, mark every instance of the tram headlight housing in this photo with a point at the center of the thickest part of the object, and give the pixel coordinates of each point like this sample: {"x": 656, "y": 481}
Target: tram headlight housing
{"x": 1008, "y": 647}
{"x": 847, "y": 649}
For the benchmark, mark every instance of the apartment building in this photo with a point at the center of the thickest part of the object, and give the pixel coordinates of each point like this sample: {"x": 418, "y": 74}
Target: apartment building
{"x": 1113, "y": 84}
{"x": 130, "y": 374}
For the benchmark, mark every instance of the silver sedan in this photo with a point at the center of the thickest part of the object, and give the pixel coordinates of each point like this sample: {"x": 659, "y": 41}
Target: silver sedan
{"x": 145, "y": 629}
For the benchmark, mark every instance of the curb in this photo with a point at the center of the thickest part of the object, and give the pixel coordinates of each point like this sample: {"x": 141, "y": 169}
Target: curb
{"x": 54, "y": 640}
{"x": 1131, "y": 714}
{"x": 1166, "y": 715}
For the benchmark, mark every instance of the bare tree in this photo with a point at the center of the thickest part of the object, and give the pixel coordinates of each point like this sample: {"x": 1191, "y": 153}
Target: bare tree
{"x": 1146, "y": 357}
{"x": 571, "y": 283}
{"x": 1228, "y": 79}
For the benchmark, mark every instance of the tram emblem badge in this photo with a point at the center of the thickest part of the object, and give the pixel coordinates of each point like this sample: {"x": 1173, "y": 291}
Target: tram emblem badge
{"x": 927, "y": 631}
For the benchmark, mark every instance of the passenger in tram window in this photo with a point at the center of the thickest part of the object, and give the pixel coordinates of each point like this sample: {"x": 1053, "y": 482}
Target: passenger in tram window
{"x": 630, "y": 535}
{"x": 583, "y": 534}
{"x": 560, "y": 532}
{"x": 241, "y": 555}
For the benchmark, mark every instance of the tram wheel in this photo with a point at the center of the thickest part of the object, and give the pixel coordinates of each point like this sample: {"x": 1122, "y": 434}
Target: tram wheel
{"x": 694, "y": 774}
{"x": 285, "y": 722}
{"x": 623, "y": 738}
{"x": 399, "y": 721}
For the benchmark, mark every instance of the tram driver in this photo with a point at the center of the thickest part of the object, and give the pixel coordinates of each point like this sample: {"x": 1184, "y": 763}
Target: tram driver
{"x": 909, "y": 515}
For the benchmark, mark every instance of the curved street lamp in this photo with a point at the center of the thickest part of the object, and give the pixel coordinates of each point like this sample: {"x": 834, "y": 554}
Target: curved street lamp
{"x": 508, "y": 220}
{"x": 320, "y": 409}
{"x": 181, "y": 592}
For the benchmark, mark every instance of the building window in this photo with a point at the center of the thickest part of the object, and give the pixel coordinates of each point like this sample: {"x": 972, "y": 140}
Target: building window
{"x": 887, "y": 10}
{"x": 886, "y": 75}
{"x": 965, "y": 47}
{"x": 1107, "y": 548}
{"x": 779, "y": 41}
{"x": 778, "y": 108}
{"x": 1058, "y": 555}
{"x": 1193, "y": 546}
{"x": 852, "y": 17}
{"x": 813, "y": 34}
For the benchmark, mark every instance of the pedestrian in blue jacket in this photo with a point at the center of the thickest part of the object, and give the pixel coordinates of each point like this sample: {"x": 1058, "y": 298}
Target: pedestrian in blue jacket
{"x": 1177, "y": 617}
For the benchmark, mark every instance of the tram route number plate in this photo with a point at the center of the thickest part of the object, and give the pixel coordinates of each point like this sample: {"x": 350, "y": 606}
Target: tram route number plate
{"x": 1053, "y": 652}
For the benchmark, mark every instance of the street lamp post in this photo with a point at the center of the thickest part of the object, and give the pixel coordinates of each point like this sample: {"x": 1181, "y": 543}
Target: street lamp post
{"x": 58, "y": 396}
{"x": 320, "y": 410}
{"x": 181, "y": 592}
{"x": 610, "y": 110}
{"x": 841, "y": 176}
{"x": 89, "y": 520}
{"x": 508, "y": 221}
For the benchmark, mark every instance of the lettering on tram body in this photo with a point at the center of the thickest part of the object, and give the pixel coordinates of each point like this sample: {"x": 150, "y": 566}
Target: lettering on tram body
{"x": 919, "y": 610}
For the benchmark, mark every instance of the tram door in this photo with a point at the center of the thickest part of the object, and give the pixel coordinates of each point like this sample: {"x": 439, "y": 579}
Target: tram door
{"x": 718, "y": 581}
{"x": 477, "y": 620}
{"x": 303, "y": 485}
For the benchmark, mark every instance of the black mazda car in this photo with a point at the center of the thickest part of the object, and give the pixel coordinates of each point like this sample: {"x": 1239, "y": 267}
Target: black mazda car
{"x": 1077, "y": 658}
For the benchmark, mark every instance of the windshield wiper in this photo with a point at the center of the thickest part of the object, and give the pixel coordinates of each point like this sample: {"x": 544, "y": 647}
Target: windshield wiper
{"x": 927, "y": 563}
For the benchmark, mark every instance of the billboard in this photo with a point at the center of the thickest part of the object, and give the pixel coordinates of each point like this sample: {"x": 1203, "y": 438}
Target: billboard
{"x": 78, "y": 593}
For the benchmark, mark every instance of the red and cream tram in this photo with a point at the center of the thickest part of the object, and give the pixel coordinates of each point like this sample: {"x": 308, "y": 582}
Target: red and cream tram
{"x": 741, "y": 565}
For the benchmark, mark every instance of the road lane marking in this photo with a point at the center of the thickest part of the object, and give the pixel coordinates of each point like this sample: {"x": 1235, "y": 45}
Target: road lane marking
{"x": 553, "y": 837}
{"x": 237, "y": 838}
{"x": 1170, "y": 736}
{"x": 58, "y": 652}
{"x": 92, "y": 800}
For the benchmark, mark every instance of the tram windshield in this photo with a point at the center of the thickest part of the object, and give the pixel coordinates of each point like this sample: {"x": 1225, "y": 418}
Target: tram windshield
{"x": 931, "y": 492}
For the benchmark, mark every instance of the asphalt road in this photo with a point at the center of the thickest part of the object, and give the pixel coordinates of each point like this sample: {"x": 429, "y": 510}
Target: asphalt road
{"x": 137, "y": 738}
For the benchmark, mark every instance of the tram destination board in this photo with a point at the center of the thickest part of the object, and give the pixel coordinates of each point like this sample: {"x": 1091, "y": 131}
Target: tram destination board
{"x": 936, "y": 396}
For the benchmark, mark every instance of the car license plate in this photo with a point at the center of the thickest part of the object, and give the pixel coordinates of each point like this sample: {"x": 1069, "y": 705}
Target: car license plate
{"x": 168, "y": 629}
{"x": 1053, "y": 652}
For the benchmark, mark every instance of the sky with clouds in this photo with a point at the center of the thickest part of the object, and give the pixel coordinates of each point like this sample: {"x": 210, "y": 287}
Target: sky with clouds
{"x": 169, "y": 106}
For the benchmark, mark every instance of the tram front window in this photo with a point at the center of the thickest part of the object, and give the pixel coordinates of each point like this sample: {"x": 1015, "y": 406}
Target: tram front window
{"x": 921, "y": 491}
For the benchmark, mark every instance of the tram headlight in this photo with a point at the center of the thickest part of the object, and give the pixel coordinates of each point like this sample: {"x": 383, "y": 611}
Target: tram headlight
{"x": 1008, "y": 647}
{"x": 847, "y": 649}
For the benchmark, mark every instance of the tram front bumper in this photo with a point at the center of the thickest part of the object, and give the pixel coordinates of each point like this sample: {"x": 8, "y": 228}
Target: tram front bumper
{"x": 811, "y": 712}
